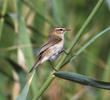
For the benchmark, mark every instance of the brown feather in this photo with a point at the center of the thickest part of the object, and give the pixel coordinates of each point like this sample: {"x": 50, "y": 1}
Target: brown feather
{"x": 52, "y": 41}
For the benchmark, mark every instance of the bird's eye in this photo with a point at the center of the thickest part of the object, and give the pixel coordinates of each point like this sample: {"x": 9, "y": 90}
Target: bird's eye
{"x": 60, "y": 29}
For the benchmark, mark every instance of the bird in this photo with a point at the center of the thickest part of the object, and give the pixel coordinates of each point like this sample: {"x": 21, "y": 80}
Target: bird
{"x": 53, "y": 47}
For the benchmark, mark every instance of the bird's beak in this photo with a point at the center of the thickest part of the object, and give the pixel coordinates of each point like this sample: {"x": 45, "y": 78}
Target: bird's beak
{"x": 68, "y": 30}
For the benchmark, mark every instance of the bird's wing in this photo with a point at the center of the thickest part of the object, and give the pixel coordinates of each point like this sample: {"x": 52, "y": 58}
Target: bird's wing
{"x": 49, "y": 43}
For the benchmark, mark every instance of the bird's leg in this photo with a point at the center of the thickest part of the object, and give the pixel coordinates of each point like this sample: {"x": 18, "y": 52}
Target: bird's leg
{"x": 52, "y": 65}
{"x": 64, "y": 52}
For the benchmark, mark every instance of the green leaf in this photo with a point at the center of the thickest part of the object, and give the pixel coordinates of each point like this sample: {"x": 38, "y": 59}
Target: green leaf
{"x": 81, "y": 79}
{"x": 24, "y": 39}
{"x": 25, "y": 90}
{"x": 24, "y": 93}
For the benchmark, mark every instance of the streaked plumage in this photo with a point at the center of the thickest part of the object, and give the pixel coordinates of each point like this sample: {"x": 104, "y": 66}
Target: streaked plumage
{"x": 53, "y": 47}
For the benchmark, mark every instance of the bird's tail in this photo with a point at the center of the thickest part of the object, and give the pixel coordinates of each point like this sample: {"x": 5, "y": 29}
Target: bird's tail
{"x": 35, "y": 66}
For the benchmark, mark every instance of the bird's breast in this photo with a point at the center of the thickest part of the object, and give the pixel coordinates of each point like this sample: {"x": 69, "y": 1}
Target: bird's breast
{"x": 58, "y": 47}
{"x": 55, "y": 50}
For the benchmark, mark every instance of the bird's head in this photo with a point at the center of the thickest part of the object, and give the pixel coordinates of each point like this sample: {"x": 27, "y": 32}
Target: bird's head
{"x": 59, "y": 31}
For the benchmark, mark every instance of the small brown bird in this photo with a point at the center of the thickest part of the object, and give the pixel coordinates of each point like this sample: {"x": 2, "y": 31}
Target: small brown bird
{"x": 53, "y": 47}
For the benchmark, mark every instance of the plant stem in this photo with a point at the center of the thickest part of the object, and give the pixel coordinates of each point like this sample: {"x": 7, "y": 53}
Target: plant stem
{"x": 2, "y": 14}
{"x": 98, "y": 5}
{"x": 44, "y": 87}
{"x": 50, "y": 78}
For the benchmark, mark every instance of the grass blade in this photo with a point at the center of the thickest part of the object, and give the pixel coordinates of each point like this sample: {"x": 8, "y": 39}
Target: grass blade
{"x": 24, "y": 93}
{"x": 24, "y": 39}
{"x": 98, "y": 5}
{"x": 83, "y": 80}
{"x": 25, "y": 90}
{"x": 3, "y": 13}
{"x": 86, "y": 45}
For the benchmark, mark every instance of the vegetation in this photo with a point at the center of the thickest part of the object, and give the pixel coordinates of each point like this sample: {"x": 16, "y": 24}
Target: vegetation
{"x": 25, "y": 26}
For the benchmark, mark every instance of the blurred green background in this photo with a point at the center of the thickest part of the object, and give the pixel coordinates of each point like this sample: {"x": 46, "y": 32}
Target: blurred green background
{"x": 25, "y": 26}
